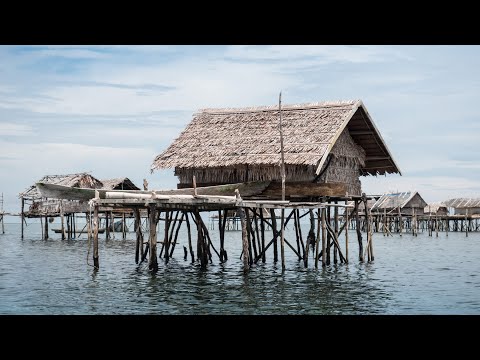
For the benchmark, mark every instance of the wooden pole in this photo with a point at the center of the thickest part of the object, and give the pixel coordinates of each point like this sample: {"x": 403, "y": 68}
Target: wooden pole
{"x": 74, "y": 227}
{"x": 138, "y": 232}
{"x": 41, "y": 227}
{"x": 95, "y": 237}
{"x": 112, "y": 222}
{"x": 152, "y": 263}
{"x": 107, "y": 227}
{"x": 329, "y": 236}
{"x": 62, "y": 220}
{"x": 370, "y": 234}
{"x": 335, "y": 215}
{"x": 168, "y": 217}
{"x": 436, "y": 225}
{"x": 124, "y": 232}
{"x": 282, "y": 238}
{"x": 246, "y": 255}
{"x": 317, "y": 240}
{"x": 23, "y": 214}
{"x": 295, "y": 224}
{"x": 251, "y": 237}
{"x": 466, "y": 224}
{"x": 359, "y": 232}
{"x": 400, "y": 225}
{"x": 46, "y": 227}
{"x": 192, "y": 254}
{"x": 346, "y": 232}
{"x": 274, "y": 229}
{"x": 324, "y": 239}
{"x": 176, "y": 235}
{"x": 262, "y": 230}
{"x": 447, "y": 223}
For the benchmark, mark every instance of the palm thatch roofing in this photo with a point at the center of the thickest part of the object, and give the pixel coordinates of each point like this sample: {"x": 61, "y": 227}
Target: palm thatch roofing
{"x": 119, "y": 184}
{"x": 463, "y": 203}
{"x": 83, "y": 180}
{"x": 395, "y": 200}
{"x": 250, "y": 136}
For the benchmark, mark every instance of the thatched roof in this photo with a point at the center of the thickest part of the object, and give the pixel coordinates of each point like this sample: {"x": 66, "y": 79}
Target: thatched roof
{"x": 119, "y": 184}
{"x": 394, "y": 200}
{"x": 463, "y": 203}
{"x": 83, "y": 180}
{"x": 250, "y": 136}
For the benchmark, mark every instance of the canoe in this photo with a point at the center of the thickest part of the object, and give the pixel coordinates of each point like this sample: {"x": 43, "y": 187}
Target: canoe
{"x": 54, "y": 191}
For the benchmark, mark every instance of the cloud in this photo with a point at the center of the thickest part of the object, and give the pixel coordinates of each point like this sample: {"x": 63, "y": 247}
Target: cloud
{"x": 9, "y": 129}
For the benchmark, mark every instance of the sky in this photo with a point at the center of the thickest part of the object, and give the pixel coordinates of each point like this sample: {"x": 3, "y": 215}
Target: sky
{"x": 109, "y": 110}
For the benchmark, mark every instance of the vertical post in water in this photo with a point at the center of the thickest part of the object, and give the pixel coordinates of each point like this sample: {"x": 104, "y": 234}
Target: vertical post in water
{"x": 318, "y": 238}
{"x": 152, "y": 263}
{"x": 346, "y": 231}
{"x": 46, "y": 227}
{"x": 324, "y": 239}
{"x": 282, "y": 236}
{"x": 466, "y": 223}
{"x": 23, "y": 214}
{"x": 62, "y": 220}
{"x": 246, "y": 254}
{"x": 95, "y": 236}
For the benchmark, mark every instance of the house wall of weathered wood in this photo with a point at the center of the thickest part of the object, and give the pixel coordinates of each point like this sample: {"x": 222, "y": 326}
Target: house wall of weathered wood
{"x": 347, "y": 158}
{"x": 471, "y": 211}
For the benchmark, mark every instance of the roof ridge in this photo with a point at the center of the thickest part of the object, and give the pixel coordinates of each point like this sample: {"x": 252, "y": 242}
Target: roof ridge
{"x": 311, "y": 105}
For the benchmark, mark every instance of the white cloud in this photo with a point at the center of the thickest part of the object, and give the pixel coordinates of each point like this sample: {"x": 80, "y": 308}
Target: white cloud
{"x": 320, "y": 54}
{"x": 9, "y": 129}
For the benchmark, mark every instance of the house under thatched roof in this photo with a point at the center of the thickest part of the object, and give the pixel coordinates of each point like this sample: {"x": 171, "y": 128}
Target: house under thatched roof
{"x": 327, "y": 142}
{"x": 403, "y": 200}
{"x": 437, "y": 208}
{"x": 462, "y": 205}
{"x": 83, "y": 180}
{"x": 119, "y": 184}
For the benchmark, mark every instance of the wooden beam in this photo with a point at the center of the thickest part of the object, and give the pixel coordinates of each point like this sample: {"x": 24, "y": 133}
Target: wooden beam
{"x": 305, "y": 189}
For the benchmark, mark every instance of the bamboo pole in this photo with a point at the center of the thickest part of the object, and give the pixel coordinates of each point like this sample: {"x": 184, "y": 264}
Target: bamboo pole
{"x": 95, "y": 237}
{"x": 152, "y": 263}
{"x": 346, "y": 232}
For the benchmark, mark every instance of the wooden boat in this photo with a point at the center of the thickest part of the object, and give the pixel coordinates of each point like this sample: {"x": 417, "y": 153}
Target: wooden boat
{"x": 54, "y": 191}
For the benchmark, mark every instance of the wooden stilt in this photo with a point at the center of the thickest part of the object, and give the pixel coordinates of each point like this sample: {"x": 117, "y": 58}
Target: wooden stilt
{"x": 317, "y": 240}
{"x": 152, "y": 263}
{"x": 367, "y": 224}
{"x": 251, "y": 236}
{"x": 346, "y": 232}
{"x": 262, "y": 230}
{"x": 165, "y": 245}
{"x": 324, "y": 237}
{"x": 89, "y": 226}
{"x": 46, "y": 227}
{"x": 335, "y": 219}
{"x": 274, "y": 229}
{"x": 189, "y": 234}
{"x": 107, "y": 227}
{"x": 447, "y": 224}
{"x": 329, "y": 236}
{"x": 436, "y": 225}
{"x": 201, "y": 246}
{"x": 221, "y": 229}
{"x": 297, "y": 236}
{"x": 400, "y": 223}
{"x": 176, "y": 234}
{"x": 370, "y": 234}
{"x": 41, "y": 227}
{"x": 246, "y": 255}
{"x": 112, "y": 223}
{"x": 23, "y": 214}
{"x": 257, "y": 233}
{"x": 466, "y": 225}
{"x": 74, "y": 227}
{"x": 282, "y": 238}
{"x": 124, "y": 228}
{"x": 69, "y": 233}
{"x": 138, "y": 233}
{"x": 62, "y": 220}
{"x": 95, "y": 237}
{"x": 359, "y": 233}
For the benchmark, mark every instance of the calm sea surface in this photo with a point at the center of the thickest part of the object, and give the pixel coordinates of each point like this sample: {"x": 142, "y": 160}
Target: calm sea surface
{"x": 410, "y": 275}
